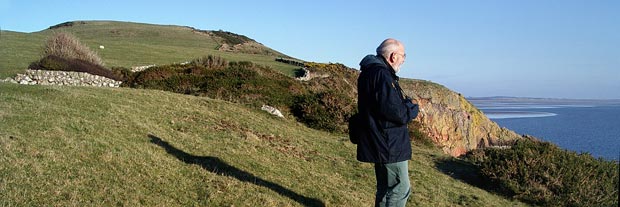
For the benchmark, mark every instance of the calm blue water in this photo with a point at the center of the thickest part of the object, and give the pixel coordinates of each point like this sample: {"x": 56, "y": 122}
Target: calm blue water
{"x": 582, "y": 128}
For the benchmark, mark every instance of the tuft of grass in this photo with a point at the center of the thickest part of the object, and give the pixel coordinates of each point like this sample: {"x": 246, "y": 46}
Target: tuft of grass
{"x": 70, "y": 146}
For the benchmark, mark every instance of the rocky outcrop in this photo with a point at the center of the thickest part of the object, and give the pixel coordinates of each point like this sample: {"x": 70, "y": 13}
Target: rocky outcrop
{"x": 273, "y": 111}
{"x": 452, "y": 122}
{"x": 48, "y": 77}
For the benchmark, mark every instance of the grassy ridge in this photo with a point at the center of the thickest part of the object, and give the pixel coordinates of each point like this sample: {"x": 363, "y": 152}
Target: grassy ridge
{"x": 79, "y": 145}
{"x": 126, "y": 44}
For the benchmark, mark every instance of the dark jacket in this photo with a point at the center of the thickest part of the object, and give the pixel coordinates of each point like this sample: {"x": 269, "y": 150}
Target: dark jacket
{"x": 385, "y": 112}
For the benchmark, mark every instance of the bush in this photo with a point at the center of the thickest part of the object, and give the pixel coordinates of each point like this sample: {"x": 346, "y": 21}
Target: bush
{"x": 327, "y": 107}
{"x": 57, "y": 63}
{"x": 241, "y": 82}
{"x": 325, "y": 110}
{"x": 543, "y": 174}
{"x": 212, "y": 62}
{"x": 68, "y": 47}
{"x": 124, "y": 74}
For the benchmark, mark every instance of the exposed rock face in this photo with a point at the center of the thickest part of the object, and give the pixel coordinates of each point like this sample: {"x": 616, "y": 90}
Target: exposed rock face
{"x": 453, "y": 122}
{"x": 48, "y": 77}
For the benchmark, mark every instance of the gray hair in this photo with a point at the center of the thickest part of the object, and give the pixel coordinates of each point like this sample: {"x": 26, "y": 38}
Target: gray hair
{"x": 387, "y": 47}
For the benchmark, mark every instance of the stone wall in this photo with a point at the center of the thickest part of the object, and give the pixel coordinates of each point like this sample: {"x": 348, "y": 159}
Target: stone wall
{"x": 62, "y": 78}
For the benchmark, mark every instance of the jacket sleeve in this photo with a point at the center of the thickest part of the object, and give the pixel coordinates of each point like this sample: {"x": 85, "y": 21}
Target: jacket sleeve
{"x": 390, "y": 105}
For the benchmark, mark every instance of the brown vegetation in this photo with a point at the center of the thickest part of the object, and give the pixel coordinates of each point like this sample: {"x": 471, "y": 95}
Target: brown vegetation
{"x": 67, "y": 46}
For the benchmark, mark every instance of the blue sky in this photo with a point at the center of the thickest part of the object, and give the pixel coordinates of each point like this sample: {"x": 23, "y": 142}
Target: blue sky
{"x": 544, "y": 48}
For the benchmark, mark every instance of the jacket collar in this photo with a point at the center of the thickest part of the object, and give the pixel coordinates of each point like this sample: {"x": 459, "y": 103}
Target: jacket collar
{"x": 377, "y": 59}
{"x": 392, "y": 71}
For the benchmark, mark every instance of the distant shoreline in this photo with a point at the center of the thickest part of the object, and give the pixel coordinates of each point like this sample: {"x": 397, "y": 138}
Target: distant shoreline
{"x": 516, "y": 114}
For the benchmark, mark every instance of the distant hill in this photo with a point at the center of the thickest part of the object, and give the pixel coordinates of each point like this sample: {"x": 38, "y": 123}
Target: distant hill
{"x": 128, "y": 44}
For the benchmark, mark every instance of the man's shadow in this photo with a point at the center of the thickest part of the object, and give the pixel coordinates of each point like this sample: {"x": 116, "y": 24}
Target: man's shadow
{"x": 216, "y": 165}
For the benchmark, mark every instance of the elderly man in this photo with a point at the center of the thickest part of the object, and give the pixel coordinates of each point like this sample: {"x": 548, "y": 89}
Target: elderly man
{"x": 386, "y": 111}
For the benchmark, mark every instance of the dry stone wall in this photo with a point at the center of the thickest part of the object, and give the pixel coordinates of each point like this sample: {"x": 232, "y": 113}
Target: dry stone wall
{"x": 62, "y": 78}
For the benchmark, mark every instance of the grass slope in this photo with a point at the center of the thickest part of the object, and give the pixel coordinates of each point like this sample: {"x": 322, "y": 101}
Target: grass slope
{"x": 126, "y": 45}
{"x": 69, "y": 146}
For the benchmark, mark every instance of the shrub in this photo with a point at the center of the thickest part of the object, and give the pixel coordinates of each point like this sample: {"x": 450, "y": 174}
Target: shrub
{"x": 324, "y": 110}
{"x": 242, "y": 82}
{"x": 178, "y": 83}
{"x": 543, "y": 174}
{"x": 156, "y": 73}
{"x": 67, "y": 46}
{"x": 327, "y": 107}
{"x": 52, "y": 62}
{"x": 211, "y": 62}
{"x": 124, "y": 74}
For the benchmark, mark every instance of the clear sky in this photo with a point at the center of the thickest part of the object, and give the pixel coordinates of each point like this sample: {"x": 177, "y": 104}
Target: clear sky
{"x": 537, "y": 48}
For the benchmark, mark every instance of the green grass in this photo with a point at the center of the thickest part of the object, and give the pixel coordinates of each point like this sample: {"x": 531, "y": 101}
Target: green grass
{"x": 18, "y": 50}
{"x": 70, "y": 146}
{"x": 126, "y": 45}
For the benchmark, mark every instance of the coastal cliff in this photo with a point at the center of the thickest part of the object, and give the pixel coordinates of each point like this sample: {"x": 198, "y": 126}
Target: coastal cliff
{"x": 452, "y": 122}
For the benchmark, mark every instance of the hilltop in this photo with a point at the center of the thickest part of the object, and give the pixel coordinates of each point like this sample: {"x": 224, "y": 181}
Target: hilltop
{"x": 128, "y": 44}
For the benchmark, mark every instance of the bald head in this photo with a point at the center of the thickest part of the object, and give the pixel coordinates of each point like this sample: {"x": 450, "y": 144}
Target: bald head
{"x": 389, "y": 46}
{"x": 393, "y": 51}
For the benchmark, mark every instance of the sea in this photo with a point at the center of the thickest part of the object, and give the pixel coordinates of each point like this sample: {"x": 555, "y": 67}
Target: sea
{"x": 583, "y": 126}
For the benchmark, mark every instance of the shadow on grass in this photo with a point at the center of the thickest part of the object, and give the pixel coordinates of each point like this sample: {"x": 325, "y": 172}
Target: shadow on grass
{"x": 216, "y": 165}
{"x": 463, "y": 171}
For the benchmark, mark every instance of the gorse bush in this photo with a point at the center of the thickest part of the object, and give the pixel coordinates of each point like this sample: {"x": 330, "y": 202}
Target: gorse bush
{"x": 540, "y": 173}
{"x": 324, "y": 110}
{"x": 325, "y": 106}
{"x": 242, "y": 82}
{"x": 67, "y": 46}
{"x": 212, "y": 62}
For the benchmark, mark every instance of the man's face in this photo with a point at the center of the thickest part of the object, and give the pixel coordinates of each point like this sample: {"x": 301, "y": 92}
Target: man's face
{"x": 399, "y": 57}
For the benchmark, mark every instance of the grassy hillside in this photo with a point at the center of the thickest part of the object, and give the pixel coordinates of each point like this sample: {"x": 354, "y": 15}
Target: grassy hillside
{"x": 66, "y": 146}
{"x": 128, "y": 44}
